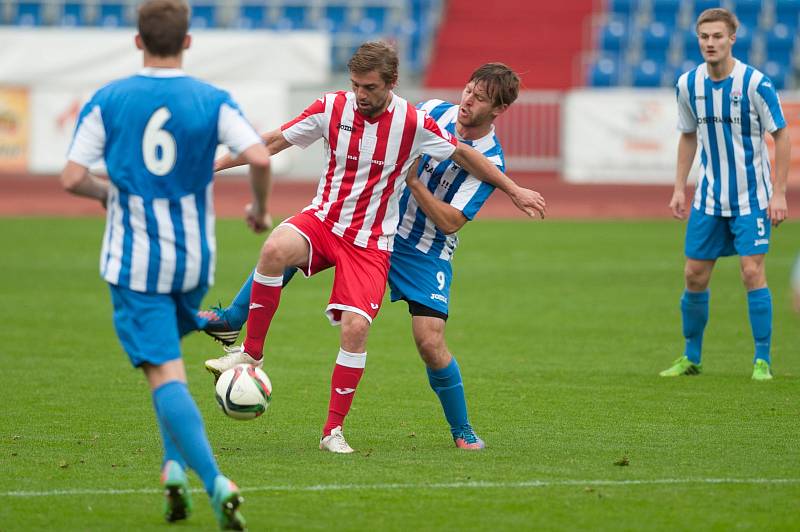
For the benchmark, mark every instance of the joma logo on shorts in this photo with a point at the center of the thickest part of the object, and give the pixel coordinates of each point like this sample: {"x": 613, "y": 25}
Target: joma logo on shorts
{"x": 439, "y": 297}
{"x": 761, "y": 241}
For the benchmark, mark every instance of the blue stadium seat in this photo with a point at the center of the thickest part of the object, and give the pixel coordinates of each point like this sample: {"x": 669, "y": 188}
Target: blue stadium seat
{"x": 112, "y": 15}
{"x": 787, "y": 12}
{"x": 780, "y": 42}
{"x": 28, "y": 14}
{"x": 691, "y": 48}
{"x": 614, "y": 36}
{"x": 666, "y": 11}
{"x": 604, "y": 73}
{"x": 623, "y": 8}
{"x": 748, "y": 12}
{"x": 777, "y": 72}
{"x": 335, "y": 17}
{"x": 702, "y": 5}
{"x": 744, "y": 41}
{"x": 73, "y": 14}
{"x": 656, "y": 41}
{"x": 375, "y": 19}
{"x": 204, "y": 15}
{"x": 294, "y": 17}
{"x": 647, "y": 74}
{"x": 252, "y": 16}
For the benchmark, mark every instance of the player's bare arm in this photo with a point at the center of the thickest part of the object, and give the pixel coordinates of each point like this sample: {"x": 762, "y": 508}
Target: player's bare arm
{"x": 76, "y": 179}
{"x": 777, "y": 211}
{"x": 256, "y": 213}
{"x": 528, "y": 201}
{"x": 446, "y": 217}
{"x": 687, "y": 146}
{"x": 275, "y": 143}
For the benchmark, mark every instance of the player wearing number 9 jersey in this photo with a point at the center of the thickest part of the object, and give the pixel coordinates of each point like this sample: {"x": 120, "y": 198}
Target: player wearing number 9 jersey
{"x": 157, "y": 132}
{"x": 726, "y": 106}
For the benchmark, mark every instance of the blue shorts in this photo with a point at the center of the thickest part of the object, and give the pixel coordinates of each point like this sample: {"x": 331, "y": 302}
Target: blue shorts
{"x": 710, "y": 237}
{"x": 415, "y": 276}
{"x": 150, "y": 326}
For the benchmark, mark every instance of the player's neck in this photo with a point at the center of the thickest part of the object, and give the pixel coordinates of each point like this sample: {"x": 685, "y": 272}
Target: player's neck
{"x": 154, "y": 61}
{"x": 722, "y": 69}
{"x": 473, "y": 132}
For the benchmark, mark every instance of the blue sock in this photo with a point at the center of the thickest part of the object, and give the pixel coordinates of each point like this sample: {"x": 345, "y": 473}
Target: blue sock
{"x": 179, "y": 416}
{"x": 759, "y": 306}
{"x": 694, "y": 309}
{"x": 446, "y": 382}
{"x": 236, "y": 312}
{"x": 171, "y": 451}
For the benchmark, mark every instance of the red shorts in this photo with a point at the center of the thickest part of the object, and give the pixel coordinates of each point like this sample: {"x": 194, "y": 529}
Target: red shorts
{"x": 359, "y": 281}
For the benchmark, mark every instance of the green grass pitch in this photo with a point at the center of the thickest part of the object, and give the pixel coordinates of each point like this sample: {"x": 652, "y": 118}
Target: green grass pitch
{"x": 560, "y": 329}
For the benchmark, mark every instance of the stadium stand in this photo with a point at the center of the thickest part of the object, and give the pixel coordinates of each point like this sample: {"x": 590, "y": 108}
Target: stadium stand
{"x": 409, "y": 24}
{"x": 631, "y": 38}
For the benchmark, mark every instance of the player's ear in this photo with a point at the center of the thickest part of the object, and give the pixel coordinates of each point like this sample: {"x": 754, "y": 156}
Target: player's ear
{"x": 187, "y": 41}
{"x": 138, "y": 41}
{"x": 500, "y": 109}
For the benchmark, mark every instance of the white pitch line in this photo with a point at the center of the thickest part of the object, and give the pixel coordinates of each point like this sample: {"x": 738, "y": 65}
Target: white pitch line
{"x": 433, "y": 486}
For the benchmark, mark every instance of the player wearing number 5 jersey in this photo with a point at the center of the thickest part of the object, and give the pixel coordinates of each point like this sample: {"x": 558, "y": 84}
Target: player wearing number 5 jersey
{"x": 727, "y": 106}
{"x": 157, "y": 133}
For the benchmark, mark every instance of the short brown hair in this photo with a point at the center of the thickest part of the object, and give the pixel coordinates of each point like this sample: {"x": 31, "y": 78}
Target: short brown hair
{"x": 163, "y": 25}
{"x": 375, "y": 56}
{"x": 718, "y": 14}
{"x": 501, "y": 83}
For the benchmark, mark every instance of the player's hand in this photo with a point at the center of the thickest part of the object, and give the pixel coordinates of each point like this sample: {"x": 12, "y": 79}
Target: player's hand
{"x": 777, "y": 211}
{"x": 678, "y": 205}
{"x": 529, "y": 201}
{"x": 257, "y": 221}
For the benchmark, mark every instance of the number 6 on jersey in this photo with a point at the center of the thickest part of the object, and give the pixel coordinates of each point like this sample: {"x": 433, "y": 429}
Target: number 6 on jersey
{"x": 154, "y": 138}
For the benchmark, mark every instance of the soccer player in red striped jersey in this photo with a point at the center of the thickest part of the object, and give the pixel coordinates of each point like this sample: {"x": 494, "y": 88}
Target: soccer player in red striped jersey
{"x": 372, "y": 137}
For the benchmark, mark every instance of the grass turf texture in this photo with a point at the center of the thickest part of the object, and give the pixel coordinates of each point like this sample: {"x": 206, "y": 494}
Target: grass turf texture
{"x": 560, "y": 329}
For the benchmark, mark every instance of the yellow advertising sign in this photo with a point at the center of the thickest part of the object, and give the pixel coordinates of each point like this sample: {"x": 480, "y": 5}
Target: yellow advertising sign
{"x": 14, "y": 125}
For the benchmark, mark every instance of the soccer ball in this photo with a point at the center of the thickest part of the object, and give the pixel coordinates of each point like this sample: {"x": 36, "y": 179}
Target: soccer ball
{"x": 244, "y": 391}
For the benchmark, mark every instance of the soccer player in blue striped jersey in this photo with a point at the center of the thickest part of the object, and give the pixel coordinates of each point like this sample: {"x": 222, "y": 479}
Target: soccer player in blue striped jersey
{"x": 157, "y": 132}
{"x": 727, "y": 106}
{"x": 440, "y": 198}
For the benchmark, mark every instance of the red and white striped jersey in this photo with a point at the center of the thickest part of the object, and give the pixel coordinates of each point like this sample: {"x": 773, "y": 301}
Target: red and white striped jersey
{"x": 357, "y": 196}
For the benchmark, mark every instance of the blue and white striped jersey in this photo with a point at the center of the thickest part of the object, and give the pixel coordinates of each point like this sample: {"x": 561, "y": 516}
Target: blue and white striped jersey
{"x": 447, "y": 182}
{"x": 158, "y": 132}
{"x": 731, "y": 116}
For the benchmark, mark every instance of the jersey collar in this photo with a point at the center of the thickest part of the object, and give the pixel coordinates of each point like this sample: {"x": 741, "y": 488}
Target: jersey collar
{"x": 153, "y": 72}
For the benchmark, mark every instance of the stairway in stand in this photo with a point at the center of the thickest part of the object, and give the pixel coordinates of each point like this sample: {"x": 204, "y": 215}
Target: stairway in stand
{"x": 540, "y": 39}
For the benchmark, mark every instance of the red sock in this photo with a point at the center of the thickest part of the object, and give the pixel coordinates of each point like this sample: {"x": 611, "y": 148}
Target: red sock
{"x": 346, "y": 374}
{"x": 264, "y": 298}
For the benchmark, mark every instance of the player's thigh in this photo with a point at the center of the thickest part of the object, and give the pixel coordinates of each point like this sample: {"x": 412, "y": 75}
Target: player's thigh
{"x": 422, "y": 279}
{"x": 320, "y": 246}
{"x": 708, "y": 237}
{"x": 285, "y": 247}
{"x": 751, "y": 233}
{"x": 359, "y": 282}
{"x": 146, "y": 325}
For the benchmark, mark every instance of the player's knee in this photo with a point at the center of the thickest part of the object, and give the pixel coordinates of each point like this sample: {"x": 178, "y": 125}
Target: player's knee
{"x": 355, "y": 329}
{"x": 753, "y": 276}
{"x": 432, "y": 350}
{"x": 696, "y": 277}
{"x": 274, "y": 254}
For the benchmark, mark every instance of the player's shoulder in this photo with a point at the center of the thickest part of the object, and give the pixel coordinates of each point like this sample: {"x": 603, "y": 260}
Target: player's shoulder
{"x": 435, "y": 107}
{"x": 684, "y": 79}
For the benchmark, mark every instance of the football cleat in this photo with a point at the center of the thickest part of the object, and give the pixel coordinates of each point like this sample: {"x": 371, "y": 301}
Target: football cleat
{"x": 218, "y": 326}
{"x": 177, "y": 500}
{"x": 761, "y": 370}
{"x": 335, "y": 442}
{"x": 232, "y": 357}
{"x": 465, "y": 438}
{"x": 226, "y": 501}
{"x": 682, "y": 366}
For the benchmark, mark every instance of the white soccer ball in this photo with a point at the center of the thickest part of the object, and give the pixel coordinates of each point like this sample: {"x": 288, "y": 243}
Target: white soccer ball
{"x": 244, "y": 391}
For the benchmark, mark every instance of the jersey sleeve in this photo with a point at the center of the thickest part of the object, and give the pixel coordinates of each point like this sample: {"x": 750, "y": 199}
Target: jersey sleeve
{"x": 473, "y": 193}
{"x": 308, "y": 127}
{"x": 687, "y": 121}
{"x": 796, "y": 276}
{"x": 434, "y": 141}
{"x": 89, "y": 140}
{"x": 768, "y": 106}
{"x": 234, "y": 130}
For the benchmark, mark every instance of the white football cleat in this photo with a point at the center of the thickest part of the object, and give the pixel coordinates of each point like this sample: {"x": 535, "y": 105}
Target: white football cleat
{"x": 335, "y": 442}
{"x": 232, "y": 357}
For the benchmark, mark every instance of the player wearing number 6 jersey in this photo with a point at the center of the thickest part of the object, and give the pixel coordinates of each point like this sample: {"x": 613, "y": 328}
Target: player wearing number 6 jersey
{"x": 727, "y": 105}
{"x": 157, "y": 132}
